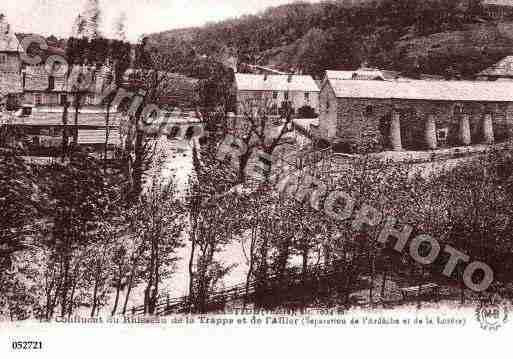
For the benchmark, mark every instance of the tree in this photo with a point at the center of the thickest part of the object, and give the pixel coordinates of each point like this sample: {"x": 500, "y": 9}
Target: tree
{"x": 19, "y": 200}
{"x": 254, "y": 130}
{"x": 81, "y": 198}
{"x": 87, "y": 24}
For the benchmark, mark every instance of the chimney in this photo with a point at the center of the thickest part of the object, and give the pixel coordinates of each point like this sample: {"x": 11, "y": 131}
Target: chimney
{"x": 289, "y": 78}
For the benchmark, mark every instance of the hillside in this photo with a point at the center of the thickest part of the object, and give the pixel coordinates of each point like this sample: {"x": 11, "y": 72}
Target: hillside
{"x": 460, "y": 53}
{"x": 450, "y": 38}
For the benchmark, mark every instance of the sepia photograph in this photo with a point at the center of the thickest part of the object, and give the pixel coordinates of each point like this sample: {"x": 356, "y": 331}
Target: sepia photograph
{"x": 326, "y": 177}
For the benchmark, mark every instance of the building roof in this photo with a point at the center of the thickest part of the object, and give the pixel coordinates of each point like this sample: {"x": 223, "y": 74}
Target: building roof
{"x": 251, "y": 82}
{"x": 506, "y": 3}
{"x": 488, "y": 91}
{"x": 53, "y": 117}
{"x": 267, "y": 69}
{"x": 360, "y": 74}
{"x": 503, "y": 68}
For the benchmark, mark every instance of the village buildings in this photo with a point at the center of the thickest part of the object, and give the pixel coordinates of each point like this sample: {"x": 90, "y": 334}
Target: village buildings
{"x": 38, "y": 103}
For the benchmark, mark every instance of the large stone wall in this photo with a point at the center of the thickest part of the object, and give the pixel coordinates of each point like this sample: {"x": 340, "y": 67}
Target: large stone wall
{"x": 365, "y": 123}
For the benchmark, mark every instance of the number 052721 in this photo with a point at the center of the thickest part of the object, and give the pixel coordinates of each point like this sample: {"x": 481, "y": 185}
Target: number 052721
{"x": 27, "y": 345}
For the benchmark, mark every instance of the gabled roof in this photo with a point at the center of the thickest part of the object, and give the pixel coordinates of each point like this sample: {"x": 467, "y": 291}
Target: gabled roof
{"x": 503, "y": 68}
{"x": 251, "y": 82}
{"x": 483, "y": 91}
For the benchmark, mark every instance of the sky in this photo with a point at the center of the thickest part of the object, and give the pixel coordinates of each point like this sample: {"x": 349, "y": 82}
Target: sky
{"x": 56, "y": 17}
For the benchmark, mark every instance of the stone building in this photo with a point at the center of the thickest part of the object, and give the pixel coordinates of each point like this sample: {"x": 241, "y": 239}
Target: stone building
{"x": 367, "y": 116}
{"x": 297, "y": 90}
{"x": 10, "y": 65}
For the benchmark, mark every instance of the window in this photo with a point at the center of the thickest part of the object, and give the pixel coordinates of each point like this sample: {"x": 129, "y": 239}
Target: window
{"x": 307, "y": 97}
{"x": 64, "y": 99}
{"x": 275, "y": 95}
{"x": 3, "y": 58}
{"x": 90, "y": 99}
{"x": 442, "y": 134}
{"x": 38, "y": 99}
{"x": 369, "y": 110}
{"x": 327, "y": 105}
{"x": 286, "y": 96}
{"x": 26, "y": 111}
{"x": 51, "y": 83}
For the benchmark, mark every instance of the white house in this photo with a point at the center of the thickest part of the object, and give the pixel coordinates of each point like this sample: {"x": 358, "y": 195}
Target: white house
{"x": 298, "y": 90}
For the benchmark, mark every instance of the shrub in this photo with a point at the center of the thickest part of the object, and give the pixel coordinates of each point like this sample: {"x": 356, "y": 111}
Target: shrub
{"x": 307, "y": 112}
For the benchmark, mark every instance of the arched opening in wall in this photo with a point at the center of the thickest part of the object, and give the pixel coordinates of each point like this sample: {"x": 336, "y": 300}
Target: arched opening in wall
{"x": 501, "y": 128}
{"x": 412, "y": 130}
{"x": 369, "y": 111}
{"x": 372, "y": 143}
{"x": 476, "y": 124}
{"x": 451, "y": 132}
{"x": 384, "y": 130}
{"x": 487, "y": 129}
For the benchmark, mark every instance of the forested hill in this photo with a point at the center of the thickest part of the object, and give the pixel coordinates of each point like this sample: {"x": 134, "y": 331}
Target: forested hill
{"x": 454, "y": 38}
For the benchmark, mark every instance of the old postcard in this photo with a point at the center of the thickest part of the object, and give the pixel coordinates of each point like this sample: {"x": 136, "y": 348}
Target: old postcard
{"x": 311, "y": 178}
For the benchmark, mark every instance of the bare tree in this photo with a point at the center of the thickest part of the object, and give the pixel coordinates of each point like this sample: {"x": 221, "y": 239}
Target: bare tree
{"x": 259, "y": 127}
